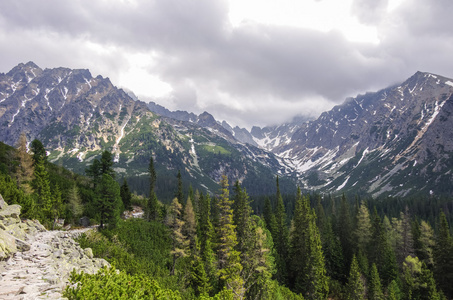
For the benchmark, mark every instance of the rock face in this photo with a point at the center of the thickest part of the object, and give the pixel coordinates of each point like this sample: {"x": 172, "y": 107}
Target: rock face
{"x": 36, "y": 263}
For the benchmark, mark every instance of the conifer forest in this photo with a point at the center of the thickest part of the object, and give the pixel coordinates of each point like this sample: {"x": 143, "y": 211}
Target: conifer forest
{"x": 229, "y": 245}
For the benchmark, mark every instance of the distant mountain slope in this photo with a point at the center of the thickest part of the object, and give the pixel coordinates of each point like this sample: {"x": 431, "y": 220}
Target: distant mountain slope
{"x": 77, "y": 116}
{"x": 397, "y": 141}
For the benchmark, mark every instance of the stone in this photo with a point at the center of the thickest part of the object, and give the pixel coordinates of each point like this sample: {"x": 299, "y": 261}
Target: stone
{"x": 88, "y": 252}
{"x": 22, "y": 245}
{"x": 84, "y": 221}
{"x": 3, "y": 204}
{"x": 7, "y": 245}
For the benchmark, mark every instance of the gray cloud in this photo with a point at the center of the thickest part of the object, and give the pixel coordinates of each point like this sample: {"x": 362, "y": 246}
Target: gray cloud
{"x": 252, "y": 74}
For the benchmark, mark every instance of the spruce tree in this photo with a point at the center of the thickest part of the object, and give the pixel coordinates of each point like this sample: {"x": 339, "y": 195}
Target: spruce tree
{"x": 41, "y": 187}
{"x": 228, "y": 259}
{"x": 24, "y": 171}
{"x": 179, "y": 240}
{"x": 190, "y": 226}
{"x": 308, "y": 272}
{"x": 206, "y": 236}
{"x": 362, "y": 233}
{"x": 375, "y": 286}
{"x": 39, "y": 153}
{"x": 356, "y": 282}
{"x": 267, "y": 213}
{"x": 179, "y": 193}
{"x": 108, "y": 202}
{"x": 443, "y": 257}
{"x": 281, "y": 239}
{"x": 107, "y": 164}
{"x": 344, "y": 229}
{"x": 152, "y": 208}
{"x": 126, "y": 195}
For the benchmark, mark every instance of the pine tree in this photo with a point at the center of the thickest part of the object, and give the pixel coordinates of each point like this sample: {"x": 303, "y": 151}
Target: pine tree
{"x": 375, "y": 287}
{"x": 381, "y": 251}
{"x": 356, "y": 282}
{"x": 228, "y": 258}
{"x": 404, "y": 240}
{"x": 443, "y": 257}
{"x": 75, "y": 202}
{"x": 179, "y": 240}
{"x": 25, "y": 170}
{"x": 179, "y": 193}
{"x": 94, "y": 172}
{"x": 362, "y": 233}
{"x": 108, "y": 202}
{"x": 190, "y": 226}
{"x": 107, "y": 164}
{"x": 206, "y": 235}
{"x": 280, "y": 235}
{"x": 41, "y": 187}
{"x": 252, "y": 246}
{"x": 394, "y": 292}
{"x": 152, "y": 176}
{"x": 126, "y": 195}
{"x": 344, "y": 229}
{"x": 307, "y": 260}
{"x": 332, "y": 253}
{"x": 267, "y": 213}
{"x": 152, "y": 208}
{"x": 427, "y": 243}
{"x": 39, "y": 153}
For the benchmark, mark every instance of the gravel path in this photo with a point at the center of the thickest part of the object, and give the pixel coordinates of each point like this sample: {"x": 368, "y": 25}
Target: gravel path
{"x": 42, "y": 272}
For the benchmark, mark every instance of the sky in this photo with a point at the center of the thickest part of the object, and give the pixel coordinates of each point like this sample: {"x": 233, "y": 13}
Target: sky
{"x": 249, "y": 62}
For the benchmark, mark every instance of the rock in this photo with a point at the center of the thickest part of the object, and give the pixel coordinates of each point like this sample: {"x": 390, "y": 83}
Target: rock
{"x": 22, "y": 245}
{"x": 7, "y": 245}
{"x": 84, "y": 221}
{"x": 3, "y": 204}
{"x": 10, "y": 214}
{"x": 88, "y": 252}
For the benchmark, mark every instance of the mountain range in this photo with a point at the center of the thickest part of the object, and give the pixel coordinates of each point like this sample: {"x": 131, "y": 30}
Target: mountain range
{"x": 394, "y": 142}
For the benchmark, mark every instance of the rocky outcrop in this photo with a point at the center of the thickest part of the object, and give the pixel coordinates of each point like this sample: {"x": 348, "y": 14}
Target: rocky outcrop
{"x": 36, "y": 263}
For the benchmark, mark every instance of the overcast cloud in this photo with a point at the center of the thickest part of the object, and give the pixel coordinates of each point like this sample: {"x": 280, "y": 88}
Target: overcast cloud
{"x": 252, "y": 74}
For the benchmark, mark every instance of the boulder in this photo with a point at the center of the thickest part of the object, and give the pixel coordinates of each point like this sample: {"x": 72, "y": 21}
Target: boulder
{"x": 7, "y": 245}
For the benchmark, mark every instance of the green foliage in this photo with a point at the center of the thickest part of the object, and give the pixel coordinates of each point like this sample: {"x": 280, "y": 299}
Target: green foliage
{"x": 108, "y": 202}
{"x": 108, "y": 284}
{"x": 356, "y": 282}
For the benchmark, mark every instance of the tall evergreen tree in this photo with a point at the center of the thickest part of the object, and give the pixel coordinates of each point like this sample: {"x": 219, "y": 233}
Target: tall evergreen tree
{"x": 126, "y": 195}
{"x": 443, "y": 257}
{"x": 206, "y": 236}
{"x": 152, "y": 208}
{"x": 281, "y": 239}
{"x": 362, "y": 233}
{"x": 381, "y": 251}
{"x": 179, "y": 240}
{"x": 307, "y": 260}
{"x": 107, "y": 163}
{"x": 267, "y": 213}
{"x": 39, "y": 152}
{"x": 179, "y": 193}
{"x": 25, "y": 170}
{"x": 228, "y": 258}
{"x": 404, "y": 239}
{"x": 41, "y": 187}
{"x": 190, "y": 226}
{"x": 426, "y": 244}
{"x": 108, "y": 202}
{"x": 344, "y": 229}
{"x": 375, "y": 286}
{"x": 356, "y": 282}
